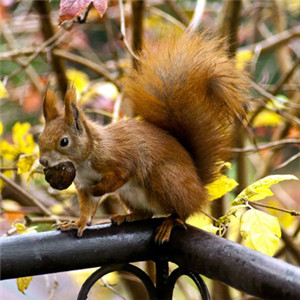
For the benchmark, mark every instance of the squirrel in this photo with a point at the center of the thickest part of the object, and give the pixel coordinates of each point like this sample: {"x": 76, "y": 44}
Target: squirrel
{"x": 188, "y": 93}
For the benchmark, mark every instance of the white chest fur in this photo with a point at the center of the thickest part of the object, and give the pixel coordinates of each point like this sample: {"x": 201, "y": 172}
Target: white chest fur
{"x": 136, "y": 196}
{"x": 86, "y": 176}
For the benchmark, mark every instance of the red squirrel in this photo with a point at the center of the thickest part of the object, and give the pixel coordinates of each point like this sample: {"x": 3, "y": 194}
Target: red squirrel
{"x": 188, "y": 94}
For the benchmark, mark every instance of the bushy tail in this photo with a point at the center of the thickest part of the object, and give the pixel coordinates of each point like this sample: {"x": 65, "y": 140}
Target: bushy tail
{"x": 189, "y": 87}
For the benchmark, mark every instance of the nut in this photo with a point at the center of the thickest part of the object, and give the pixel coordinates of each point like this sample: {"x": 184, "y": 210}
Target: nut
{"x": 61, "y": 175}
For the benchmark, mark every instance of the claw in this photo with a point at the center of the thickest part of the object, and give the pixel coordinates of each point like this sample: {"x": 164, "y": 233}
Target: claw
{"x": 118, "y": 219}
{"x": 69, "y": 225}
{"x": 163, "y": 233}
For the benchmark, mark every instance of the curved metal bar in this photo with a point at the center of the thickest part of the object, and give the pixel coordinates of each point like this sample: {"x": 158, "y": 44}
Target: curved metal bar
{"x": 145, "y": 279}
{"x": 194, "y": 276}
{"x": 193, "y": 249}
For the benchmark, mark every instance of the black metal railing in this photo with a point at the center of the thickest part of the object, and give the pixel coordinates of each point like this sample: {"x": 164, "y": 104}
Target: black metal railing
{"x": 114, "y": 247}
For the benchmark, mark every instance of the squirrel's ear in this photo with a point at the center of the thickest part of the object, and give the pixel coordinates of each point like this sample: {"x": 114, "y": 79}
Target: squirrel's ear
{"x": 72, "y": 114}
{"x": 50, "y": 105}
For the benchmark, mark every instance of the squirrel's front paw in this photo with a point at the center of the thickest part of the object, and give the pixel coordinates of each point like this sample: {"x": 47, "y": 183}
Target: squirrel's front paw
{"x": 69, "y": 225}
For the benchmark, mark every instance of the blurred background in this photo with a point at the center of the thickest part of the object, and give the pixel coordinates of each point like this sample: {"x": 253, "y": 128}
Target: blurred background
{"x": 47, "y": 43}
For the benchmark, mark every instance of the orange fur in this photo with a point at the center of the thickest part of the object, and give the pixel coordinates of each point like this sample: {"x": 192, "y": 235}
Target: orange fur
{"x": 189, "y": 87}
{"x": 188, "y": 93}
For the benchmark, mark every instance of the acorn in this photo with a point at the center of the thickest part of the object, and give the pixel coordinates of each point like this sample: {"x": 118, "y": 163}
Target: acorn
{"x": 61, "y": 175}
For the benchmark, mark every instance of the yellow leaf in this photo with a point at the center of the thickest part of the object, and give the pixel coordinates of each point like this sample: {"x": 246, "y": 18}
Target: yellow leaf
{"x": 3, "y": 92}
{"x": 34, "y": 167}
{"x": 105, "y": 89}
{"x": 19, "y": 130}
{"x": 243, "y": 57}
{"x": 80, "y": 276}
{"x": 23, "y": 140}
{"x": 26, "y": 162}
{"x": 112, "y": 278}
{"x": 260, "y": 189}
{"x": 220, "y": 187}
{"x": 211, "y": 228}
{"x": 199, "y": 220}
{"x": 293, "y": 6}
{"x": 7, "y": 150}
{"x": 22, "y": 229}
{"x": 57, "y": 209}
{"x": 79, "y": 79}
{"x": 8, "y": 174}
{"x": 261, "y": 231}
{"x": 23, "y": 283}
{"x": 285, "y": 219}
{"x": 267, "y": 118}
{"x": 10, "y": 205}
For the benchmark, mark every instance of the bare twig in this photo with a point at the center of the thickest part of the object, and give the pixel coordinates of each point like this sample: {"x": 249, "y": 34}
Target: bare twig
{"x": 82, "y": 19}
{"x": 166, "y": 16}
{"x": 290, "y": 117}
{"x": 269, "y": 95}
{"x": 184, "y": 19}
{"x": 3, "y": 169}
{"x": 229, "y": 24}
{"x": 290, "y": 245}
{"x": 293, "y": 213}
{"x": 117, "y": 107}
{"x": 100, "y": 112}
{"x": 123, "y": 30}
{"x": 24, "y": 193}
{"x": 229, "y": 28}
{"x": 43, "y": 9}
{"x": 51, "y": 219}
{"x": 8, "y": 55}
{"x": 111, "y": 44}
{"x": 32, "y": 74}
{"x": 63, "y": 54}
{"x": 288, "y": 161}
{"x": 53, "y": 290}
{"x": 37, "y": 52}
{"x": 274, "y": 144}
{"x": 286, "y": 77}
{"x": 105, "y": 284}
{"x": 137, "y": 28}
{"x": 276, "y": 40}
{"x": 87, "y": 63}
{"x": 196, "y": 20}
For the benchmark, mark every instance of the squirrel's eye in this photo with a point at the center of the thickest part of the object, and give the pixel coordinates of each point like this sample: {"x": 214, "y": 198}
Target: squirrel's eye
{"x": 64, "y": 142}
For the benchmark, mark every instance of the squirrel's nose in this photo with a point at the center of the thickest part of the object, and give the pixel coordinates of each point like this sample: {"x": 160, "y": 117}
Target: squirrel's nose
{"x": 44, "y": 162}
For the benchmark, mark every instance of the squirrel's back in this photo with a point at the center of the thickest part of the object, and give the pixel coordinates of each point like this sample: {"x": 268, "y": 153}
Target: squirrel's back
{"x": 188, "y": 86}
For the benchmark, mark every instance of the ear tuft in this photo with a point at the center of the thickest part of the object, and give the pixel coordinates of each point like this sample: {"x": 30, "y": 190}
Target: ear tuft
{"x": 50, "y": 105}
{"x": 70, "y": 96}
{"x": 72, "y": 114}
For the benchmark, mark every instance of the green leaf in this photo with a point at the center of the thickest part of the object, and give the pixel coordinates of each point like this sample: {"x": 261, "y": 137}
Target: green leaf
{"x": 260, "y": 189}
{"x": 261, "y": 231}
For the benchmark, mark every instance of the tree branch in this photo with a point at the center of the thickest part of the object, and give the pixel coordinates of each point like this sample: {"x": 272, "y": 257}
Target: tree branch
{"x": 42, "y": 6}
{"x": 24, "y": 193}
{"x": 275, "y": 144}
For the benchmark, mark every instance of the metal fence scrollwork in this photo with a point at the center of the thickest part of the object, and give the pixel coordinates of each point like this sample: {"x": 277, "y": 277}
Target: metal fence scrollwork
{"x": 164, "y": 284}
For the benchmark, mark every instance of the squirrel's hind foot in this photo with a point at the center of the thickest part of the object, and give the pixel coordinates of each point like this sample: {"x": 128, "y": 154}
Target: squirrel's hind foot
{"x": 163, "y": 233}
